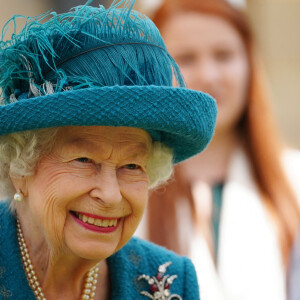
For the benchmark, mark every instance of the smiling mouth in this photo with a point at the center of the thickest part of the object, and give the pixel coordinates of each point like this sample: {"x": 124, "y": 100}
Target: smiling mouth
{"x": 100, "y": 223}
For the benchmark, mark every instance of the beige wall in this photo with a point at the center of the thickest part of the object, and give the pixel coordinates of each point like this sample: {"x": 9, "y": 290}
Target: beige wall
{"x": 277, "y": 27}
{"x": 24, "y": 7}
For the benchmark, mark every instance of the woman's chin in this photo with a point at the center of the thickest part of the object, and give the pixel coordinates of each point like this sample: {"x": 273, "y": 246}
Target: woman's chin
{"x": 91, "y": 243}
{"x": 90, "y": 250}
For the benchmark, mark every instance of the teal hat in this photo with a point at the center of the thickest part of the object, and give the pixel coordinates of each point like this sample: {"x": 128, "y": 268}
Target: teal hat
{"x": 97, "y": 66}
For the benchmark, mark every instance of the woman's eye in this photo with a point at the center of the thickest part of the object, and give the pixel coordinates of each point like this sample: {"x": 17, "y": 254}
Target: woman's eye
{"x": 224, "y": 55}
{"x": 185, "y": 59}
{"x": 132, "y": 166}
{"x": 83, "y": 159}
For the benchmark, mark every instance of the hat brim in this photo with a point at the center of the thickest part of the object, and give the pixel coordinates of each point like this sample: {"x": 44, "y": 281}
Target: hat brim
{"x": 182, "y": 119}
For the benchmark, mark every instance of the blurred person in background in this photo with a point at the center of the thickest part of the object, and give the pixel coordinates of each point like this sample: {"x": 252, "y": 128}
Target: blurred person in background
{"x": 294, "y": 272}
{"x": 238, "y": 200}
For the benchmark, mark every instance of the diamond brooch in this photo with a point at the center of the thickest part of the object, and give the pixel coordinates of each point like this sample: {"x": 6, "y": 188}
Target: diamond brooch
{"x": 160, "y": 284}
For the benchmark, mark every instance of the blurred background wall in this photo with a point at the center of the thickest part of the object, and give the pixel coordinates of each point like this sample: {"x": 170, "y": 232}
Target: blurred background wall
{"x": 277, "y": 26}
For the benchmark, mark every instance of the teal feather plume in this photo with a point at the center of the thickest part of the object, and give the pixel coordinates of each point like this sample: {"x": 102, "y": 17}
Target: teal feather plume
{"x": 85, "y": 47}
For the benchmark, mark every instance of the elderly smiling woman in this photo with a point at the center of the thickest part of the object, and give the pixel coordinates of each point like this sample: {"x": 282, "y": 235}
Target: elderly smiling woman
{"x": 89, "y": 121}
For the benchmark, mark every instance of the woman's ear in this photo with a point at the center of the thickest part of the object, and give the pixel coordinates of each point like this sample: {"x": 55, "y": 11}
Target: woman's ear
{"x": 20, "y": 183}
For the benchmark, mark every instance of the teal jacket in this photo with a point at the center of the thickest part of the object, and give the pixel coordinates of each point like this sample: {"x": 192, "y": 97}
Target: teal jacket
{"x": 136, "y": 258}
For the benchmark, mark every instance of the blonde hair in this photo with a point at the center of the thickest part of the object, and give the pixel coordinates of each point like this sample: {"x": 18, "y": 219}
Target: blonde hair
{"x": 20, "y": 153}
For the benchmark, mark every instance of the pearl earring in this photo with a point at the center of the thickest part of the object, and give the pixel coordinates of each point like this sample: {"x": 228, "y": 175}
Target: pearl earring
{"x": 18, "y": 196}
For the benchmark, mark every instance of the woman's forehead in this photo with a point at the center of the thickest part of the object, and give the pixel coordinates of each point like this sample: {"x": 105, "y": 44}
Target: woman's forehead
{"x": 201, "y": 25}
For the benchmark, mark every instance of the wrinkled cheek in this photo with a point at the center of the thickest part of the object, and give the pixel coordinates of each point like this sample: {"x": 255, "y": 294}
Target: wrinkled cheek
{"x": 138, "y": 209}
{"x": 135, "y": 197}
{"x": 54, "y": 220}
{"x": 129, "y": 227}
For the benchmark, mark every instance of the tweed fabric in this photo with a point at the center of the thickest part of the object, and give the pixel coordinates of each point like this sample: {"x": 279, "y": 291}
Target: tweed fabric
{"x": 137, "y": 257}
{"x": 181, "y": 118}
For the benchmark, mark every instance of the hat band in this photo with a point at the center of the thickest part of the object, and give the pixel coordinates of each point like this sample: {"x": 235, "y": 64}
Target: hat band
{"x": 101, "y": 47}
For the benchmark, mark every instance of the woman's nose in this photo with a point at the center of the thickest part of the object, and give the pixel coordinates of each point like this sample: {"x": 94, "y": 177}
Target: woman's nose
{"x": 106, "y": 187}
{"x": 206, "y": 75}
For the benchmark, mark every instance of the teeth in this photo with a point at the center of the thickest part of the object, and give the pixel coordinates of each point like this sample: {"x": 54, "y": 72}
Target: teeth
{"x": 96, "y": 222}
{"x": 91, "y": 220}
